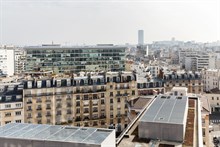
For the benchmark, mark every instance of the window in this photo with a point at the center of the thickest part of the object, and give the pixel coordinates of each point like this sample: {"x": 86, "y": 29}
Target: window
{"x": 29, "y": 108}
{"x": 7, "y": 114}
{"x": 77, "y": 97}
{"x": 8, "y": 98}
{"x": 78, "y": 110}
{"x": 212, "y": 98}
{"x": 18, "y": 105}
{"x": 7, "y": 122}
{"x": 48, "y": 121}
{"x": 18, "y": 121}
{"x": 38, "y": 100}
{"x": 133, "y": 92}
{"x": 111, "y": 93}
{"x": 102, "y": 101}
{"x": 118, "y": 100}
{"x": 8, "y": 106}
{"x": 217, "y": 98}
{"x": 78, "y": 103}
{"x": 18, "y": 113}
{"x": 102, "y": 95}
{"x": 111, "y": 101}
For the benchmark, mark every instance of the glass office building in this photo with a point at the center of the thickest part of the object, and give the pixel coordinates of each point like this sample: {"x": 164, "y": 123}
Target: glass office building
{"x": 62, "y": 59}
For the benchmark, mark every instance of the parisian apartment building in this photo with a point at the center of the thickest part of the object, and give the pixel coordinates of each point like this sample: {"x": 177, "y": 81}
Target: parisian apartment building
{"x": 97, "y": 100}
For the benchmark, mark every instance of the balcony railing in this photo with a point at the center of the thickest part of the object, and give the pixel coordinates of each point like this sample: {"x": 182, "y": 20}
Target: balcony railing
{"x": 39, "y": 108}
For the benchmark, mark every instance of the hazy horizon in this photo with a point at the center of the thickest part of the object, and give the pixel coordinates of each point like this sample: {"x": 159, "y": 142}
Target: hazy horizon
{"x": 29, "y": 22}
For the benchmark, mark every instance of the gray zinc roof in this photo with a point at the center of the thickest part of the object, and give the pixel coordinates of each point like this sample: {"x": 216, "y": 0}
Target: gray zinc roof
{"x": 167, "y": 109}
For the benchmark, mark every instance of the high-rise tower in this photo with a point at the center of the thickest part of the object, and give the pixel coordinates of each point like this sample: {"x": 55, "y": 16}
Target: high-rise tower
{"x": 140, "y": 37}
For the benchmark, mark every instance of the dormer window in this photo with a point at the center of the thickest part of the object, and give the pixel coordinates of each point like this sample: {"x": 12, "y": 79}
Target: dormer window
{"x": 68, "y": 82}
{"x": 58, "y": 83}
{"x": 29, "y": 84}
{"x": 39, "y": 83}
{"x": 48, "y": 83}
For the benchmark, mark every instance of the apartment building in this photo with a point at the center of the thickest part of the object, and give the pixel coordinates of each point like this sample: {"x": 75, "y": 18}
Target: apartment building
{"x": 7, "y": 60}
{"x": 192, "y": 81}
{"x": 150, "y": 87}
{"x": 97, "y": 100}
{"x": 11, "y": 103}
{"x": 210, "y": 78}
{"x": 153, "y": 69}
{"x": 184, "y": 53}
{"x": 62, "y": 59}
{"x": 20, "y": 58}
{"x": 200, "y": 61}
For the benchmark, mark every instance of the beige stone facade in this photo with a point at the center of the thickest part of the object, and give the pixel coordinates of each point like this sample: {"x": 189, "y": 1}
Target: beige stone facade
{"x": 98, "y": 100}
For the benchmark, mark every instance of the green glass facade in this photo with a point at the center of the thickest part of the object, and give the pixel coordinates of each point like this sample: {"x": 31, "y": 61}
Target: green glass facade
{"x": 75, "y": 59}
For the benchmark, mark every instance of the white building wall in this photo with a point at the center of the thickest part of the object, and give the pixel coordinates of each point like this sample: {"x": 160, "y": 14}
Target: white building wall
{"x": 188, "y": 63}
{"x": 10, "y": 62}
{"x": 211, "y": 79}
{"x": 212, "y": 61}
{"x": 7, "y": 61}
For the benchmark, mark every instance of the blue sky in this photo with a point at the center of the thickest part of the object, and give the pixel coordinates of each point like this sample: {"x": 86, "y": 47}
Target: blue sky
{"x": 33, "y": 22}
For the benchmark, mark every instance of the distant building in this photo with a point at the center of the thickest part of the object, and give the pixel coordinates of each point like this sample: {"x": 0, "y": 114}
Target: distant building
{"x": 211, "y": 79}
{"x": 11, "y": 103}
{"x": 192, "y": 81}
{"x": 20, "y": 58}
{"x": 32, "y": 135}
{"x": 12, "y": 60}
{"x": 140, "y": 37}
{"x": 61, "y": 59}
{"x": 7, "y": 60}
{"x": 199, "y": 61}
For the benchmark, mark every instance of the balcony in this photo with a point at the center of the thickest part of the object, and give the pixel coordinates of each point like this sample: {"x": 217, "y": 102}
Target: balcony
{"x": 48, "y": 115}
{"x": 77, "y": 119}
{"x": 39, "y": 108}
{"x": 29, "y": 117}
{"x": 29, "y": 102}
{"x": 94, "y": 111}
{"x": 69, "y": 104}
{"x": 86, "y": 118}
{"x": 102, "y": 117}
{"x": 58, "y": 106}
{"x": 39, "y": 116}
{"x": 48, "y": 108}
{"x": 69, "y": 112}
{"x": 86, "y": 112}
{"x": 48, "y": 100}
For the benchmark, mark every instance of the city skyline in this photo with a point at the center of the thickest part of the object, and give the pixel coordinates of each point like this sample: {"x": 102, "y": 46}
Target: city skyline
{"x": 92, "y": 21}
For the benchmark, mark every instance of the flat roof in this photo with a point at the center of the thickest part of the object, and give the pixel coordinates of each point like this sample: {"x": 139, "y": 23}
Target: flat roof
{"x": 54, "y": 133}
{"x": 74, "y": 47}
{"x": 167, "y": 109}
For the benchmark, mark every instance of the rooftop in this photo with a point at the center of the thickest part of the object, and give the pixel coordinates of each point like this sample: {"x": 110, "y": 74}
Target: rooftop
{"x": 54, "y": 133}
{"x": 166, "y": 109}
